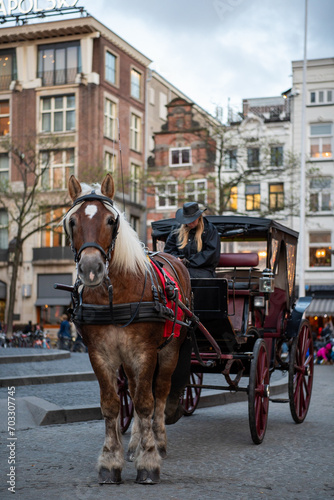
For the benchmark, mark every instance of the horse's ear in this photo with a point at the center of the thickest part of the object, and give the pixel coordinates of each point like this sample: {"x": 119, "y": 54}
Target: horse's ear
{"x": 108, "y": 187}
{"x": 74, "y": 188}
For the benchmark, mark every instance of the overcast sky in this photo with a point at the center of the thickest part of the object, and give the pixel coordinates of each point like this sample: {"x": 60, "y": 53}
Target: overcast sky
{"x": 213, "y": 50}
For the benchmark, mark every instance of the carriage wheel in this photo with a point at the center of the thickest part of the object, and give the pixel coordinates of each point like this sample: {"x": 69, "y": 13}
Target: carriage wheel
{"x": 126, "y": 413}
{"x": 191, "y": 396}
{"x": 301, "y": 372}
{"x": 258, "y": 392}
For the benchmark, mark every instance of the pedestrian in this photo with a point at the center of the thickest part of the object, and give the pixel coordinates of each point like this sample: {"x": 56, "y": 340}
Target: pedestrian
{"x": 64, "y": 334}
{"x": 196, "y": 242}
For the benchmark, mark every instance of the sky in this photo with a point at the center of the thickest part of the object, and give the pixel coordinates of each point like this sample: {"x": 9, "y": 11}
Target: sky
{"x": 215, "y": 50}
{"x": 220, "y": 51}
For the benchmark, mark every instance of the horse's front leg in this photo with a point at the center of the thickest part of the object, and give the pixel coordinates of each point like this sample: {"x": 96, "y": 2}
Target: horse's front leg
{"x": 147, "y": 458}
{"x": 111, "y": 460}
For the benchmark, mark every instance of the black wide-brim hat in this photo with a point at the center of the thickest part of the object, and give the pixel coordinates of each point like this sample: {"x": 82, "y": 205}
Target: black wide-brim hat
{"x": 188, "y": 213}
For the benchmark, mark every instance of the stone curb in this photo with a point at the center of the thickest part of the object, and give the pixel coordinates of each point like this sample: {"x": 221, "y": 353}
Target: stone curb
{"x": 28, "y": 358}
{"x": 54, "y": 378}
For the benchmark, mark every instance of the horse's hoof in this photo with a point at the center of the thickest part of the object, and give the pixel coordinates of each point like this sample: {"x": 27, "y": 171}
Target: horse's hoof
{"x": 162, "y": 452}
{"x": 148, "y": 476}
{"x": 130, "y": 456}
{"x": 112, "y": 476}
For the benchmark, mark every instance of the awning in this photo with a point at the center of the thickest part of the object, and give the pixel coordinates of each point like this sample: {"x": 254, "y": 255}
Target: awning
{"x": 320, "y": 306}
{"x": 61, "y": 301}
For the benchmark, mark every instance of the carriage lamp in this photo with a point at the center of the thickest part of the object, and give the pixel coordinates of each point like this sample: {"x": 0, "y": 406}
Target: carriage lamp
{"x": 267, "y": 281}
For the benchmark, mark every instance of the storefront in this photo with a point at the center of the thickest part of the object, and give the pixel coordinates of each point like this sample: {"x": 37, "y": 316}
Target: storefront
{"x": 52, "y": 303}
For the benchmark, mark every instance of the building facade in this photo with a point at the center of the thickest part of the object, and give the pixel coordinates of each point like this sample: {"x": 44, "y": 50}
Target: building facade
{"x": 68, "y": 90}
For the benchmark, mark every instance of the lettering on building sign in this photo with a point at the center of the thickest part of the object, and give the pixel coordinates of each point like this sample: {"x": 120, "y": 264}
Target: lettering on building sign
{"x": 13, "y": 7}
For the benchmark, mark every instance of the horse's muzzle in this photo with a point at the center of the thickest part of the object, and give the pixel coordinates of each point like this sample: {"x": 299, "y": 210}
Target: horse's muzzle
{"x": 91, "y": 269}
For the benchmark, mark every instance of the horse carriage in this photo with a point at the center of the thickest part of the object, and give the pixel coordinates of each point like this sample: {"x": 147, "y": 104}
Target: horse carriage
{"x": 135, "y": 312}
{"x": 253, "y": 323}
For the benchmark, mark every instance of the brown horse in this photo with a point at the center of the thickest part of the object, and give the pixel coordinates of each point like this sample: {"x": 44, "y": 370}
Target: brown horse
{"x": 108, "y": 252}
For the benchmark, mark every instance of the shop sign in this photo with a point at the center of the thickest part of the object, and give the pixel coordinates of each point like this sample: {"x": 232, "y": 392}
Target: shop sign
{"x": 16, "y": 7}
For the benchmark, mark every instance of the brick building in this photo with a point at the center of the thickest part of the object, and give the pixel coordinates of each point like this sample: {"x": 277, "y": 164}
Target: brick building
{"x": 183, "y": 167}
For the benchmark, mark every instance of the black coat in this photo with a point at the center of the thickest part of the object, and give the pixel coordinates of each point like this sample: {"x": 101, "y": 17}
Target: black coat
{"x": 200, "y": 264}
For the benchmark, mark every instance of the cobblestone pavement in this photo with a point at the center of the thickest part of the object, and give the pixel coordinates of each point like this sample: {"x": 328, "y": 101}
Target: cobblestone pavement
{"x": 211, "y": 456}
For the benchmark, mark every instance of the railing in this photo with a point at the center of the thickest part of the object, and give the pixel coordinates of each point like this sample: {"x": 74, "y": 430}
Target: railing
{"x": 59, "y": 77}
{"x": 52, "y": 253}
{"x": 5, "y": 81}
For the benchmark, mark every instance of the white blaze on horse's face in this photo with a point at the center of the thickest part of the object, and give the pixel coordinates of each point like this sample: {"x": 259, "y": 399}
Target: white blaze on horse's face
{"x": 90, "y": 211}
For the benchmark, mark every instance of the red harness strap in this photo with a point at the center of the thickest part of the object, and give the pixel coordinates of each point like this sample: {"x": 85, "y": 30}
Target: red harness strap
{"x": 170, "y": 304}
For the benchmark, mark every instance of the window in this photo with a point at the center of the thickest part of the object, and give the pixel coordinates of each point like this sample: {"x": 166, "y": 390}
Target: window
{"x": 110, "y": 125}
{"x": 58, "y": 113}
{"x": 110, "y": 68}
{"x": 196, "y": 190}
{"x": 325, "y": 96}
{"x": 163, "y": 106}
{"x": 53, "y": 234}
{"x": 276, "y": 196}
{"x": 231, "y": 159}
{"x": 320, "y": 249}
{"x": 110, "y": 162}
{"x": 276, "y": 156}
{"x": 151, "y": 96}
{"x": 253, "y": 158}
{"x": 134, "y": 222}
{"x": 4, "y": 118}
{"x": 135, "y": 132}
{"x": 135, "y": 84}
{"x": 59, "y": 63}
{"x": 8, "y": 71}
{"x": 230, "y": 198}
{"x": 4, "y": 169}
{"x": 252, "y": 197}
{"x": 57, "y": 167}
{"x": 320, "y": 194}
{"x": 3, "y": 228}
{"x": 179, "y": 156}
{"x": 321, "y": 141}
{"x": 135, "y": 183}
{"x": 166, "y": 195}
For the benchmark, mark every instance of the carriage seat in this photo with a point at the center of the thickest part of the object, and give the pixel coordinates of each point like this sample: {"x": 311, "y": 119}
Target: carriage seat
{"x": 243, "y": 278}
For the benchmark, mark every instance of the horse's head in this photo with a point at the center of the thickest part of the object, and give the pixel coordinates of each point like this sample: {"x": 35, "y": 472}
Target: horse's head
{"x": 92, "y": 225}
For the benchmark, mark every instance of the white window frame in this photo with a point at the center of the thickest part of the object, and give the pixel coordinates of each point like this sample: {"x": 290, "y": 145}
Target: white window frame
{"x": 68, "y": 168}
{"x": 276, "y": 195}
{"x": 135, "y": 86}
{"x": 318, "y": 192}
{"x": 320, "y": 245}
{"x": 51, "y": 225}
{"x": 53, "y": 110}
{"x": 321, "y": 137}
{"x": 180, "y": 149}
{"x": 4, "y": 171}
{"x": 135, "y": 132}
{"x": 230, "y": 162}
{"x": 110, "y": 118}
{"x": 167, "y": 195}
{"x": 162, "y": 106}
{"x": 4, "y": 230}
{"x": 110, "y": 162}
{"x": 107, "y": 70}
{"x": 321, "y": 97}
{"x": 135, "y": 182}
{"x": 276, "y": 147}
{"x": 196, "y": 194}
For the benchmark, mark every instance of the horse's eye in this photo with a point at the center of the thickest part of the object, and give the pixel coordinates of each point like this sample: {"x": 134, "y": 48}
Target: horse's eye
{"x": 72, "y": 223}
{"x": 110, "y": 221}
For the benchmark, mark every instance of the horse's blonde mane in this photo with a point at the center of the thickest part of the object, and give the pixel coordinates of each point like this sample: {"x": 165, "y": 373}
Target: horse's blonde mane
{"x": 129, "y": 254}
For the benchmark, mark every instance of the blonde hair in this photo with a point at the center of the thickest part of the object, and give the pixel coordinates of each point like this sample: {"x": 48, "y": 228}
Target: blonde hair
{"x": 183, "y": 234}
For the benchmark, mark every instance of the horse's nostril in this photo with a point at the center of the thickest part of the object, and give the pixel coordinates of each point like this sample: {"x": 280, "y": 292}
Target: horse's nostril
{"x": 99, "y": 268}
{"x": 80, "y": 268}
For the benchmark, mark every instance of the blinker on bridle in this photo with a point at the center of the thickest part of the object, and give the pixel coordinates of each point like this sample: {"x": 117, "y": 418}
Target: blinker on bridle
{"x": 108, "y": 203}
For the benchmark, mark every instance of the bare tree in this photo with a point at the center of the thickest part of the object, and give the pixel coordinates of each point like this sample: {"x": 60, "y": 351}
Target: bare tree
{"x": 26, "y": 204}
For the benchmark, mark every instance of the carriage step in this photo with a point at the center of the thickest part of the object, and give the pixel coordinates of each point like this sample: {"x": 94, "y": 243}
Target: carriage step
{"x": 279, "y": 400}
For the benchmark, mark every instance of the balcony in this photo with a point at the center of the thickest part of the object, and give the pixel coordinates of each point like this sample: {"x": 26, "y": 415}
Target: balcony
{"x": 58, "y": 77}
{"x": 52, "y": 253}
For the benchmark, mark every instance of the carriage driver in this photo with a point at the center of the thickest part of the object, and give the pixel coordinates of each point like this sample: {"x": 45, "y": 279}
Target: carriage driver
{"x": 196, "y": 242}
